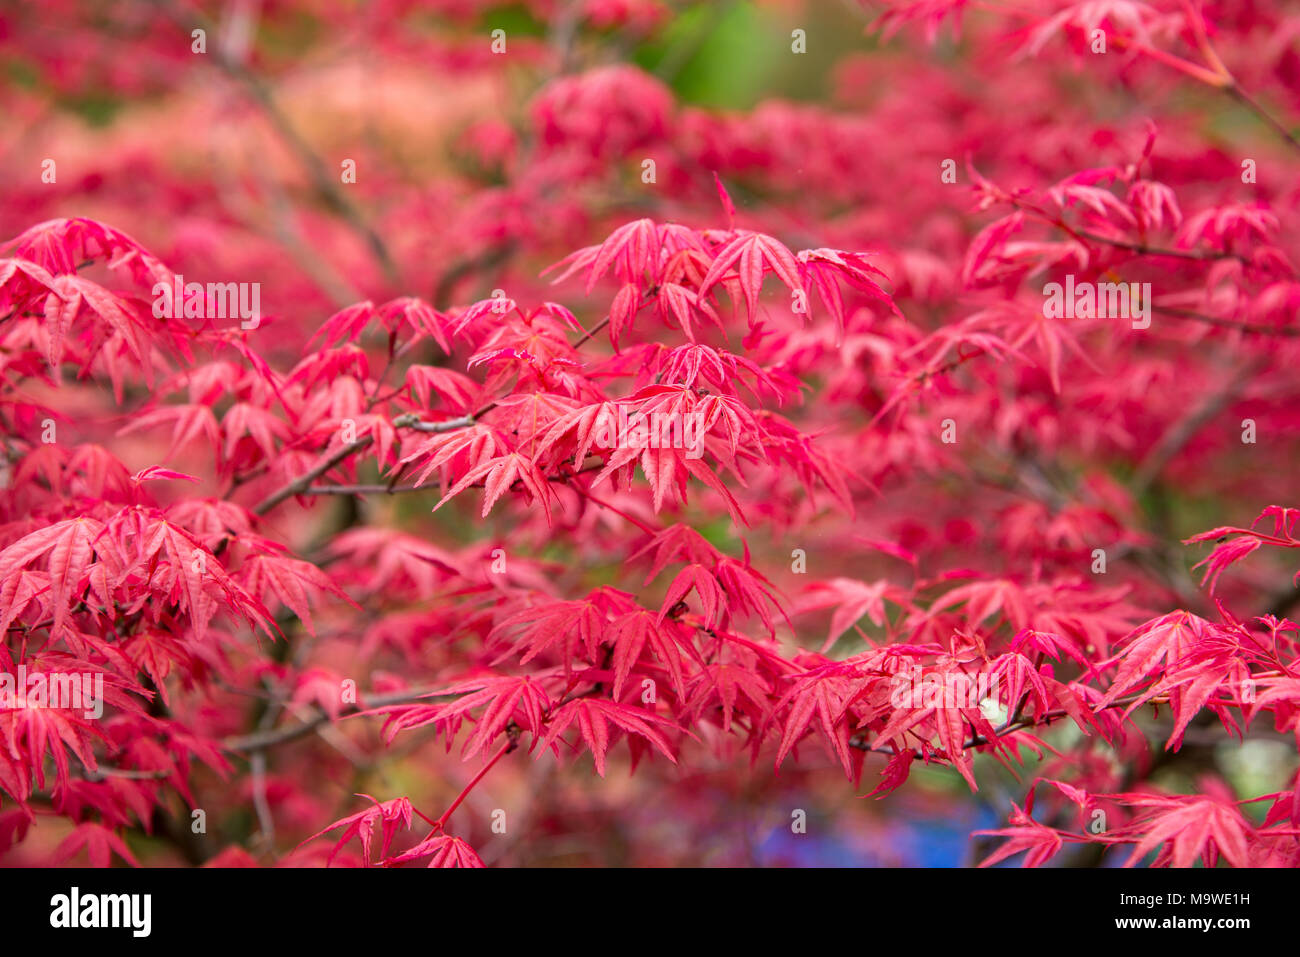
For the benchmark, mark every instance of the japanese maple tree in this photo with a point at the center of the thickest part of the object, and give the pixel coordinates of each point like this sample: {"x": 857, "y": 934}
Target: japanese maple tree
{"x": 334, "y": 346}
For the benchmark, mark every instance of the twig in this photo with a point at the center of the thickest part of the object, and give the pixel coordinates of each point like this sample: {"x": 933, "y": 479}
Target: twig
{"x": 1289, "y": 331}
{"x": 1241, "y": 96}
{"x": 261, "y": 740}
{"x": 1143, "y": 249}
{"x": 322, "y": 182}
{"x": 300, "y": 485}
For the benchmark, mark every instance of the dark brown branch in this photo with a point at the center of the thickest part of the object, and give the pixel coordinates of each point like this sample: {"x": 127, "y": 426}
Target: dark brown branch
{"x": 300, "y": 485}
{"x": 1046, "y": 717}
{"x": 1254, "y": 327}
{"x": 1144, "y": 250}
{"x": 261, "y": 740}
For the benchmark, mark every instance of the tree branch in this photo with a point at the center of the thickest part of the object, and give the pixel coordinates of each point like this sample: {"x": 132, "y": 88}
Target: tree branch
{"x": 300, "y": 485}
{"x": 261, "y": 740}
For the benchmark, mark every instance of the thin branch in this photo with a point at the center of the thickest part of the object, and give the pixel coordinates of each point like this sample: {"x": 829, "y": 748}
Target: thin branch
{"x": 1012, "y": 725}
{"x": 451, "y": 425}
{"x": 1252, "y": 327}
{"x": 1143, "y": 249}
{"x": 300, "y": 485}
{"x": 131, "y": 774}
{"x": 366, "y": 489}
{"x": 505, "y": 749}
{"x": 1241, "y": 96}
{"x": 261, "y": 740}
{"x": 265, "y": 822}
{"x": 322, "y": 182}
{"x": 593, "y": 330}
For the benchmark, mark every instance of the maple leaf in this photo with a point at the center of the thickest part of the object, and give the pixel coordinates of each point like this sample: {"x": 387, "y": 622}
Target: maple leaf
{"x": 1222, "y": 226}
{"x": 1018, "y": 676}
{"x": 1042, "y": 842}
{"x": 64, "y": 304}
{"x": 631, "y": 250}
{"x": 947, "y": 724}
{"x": 677, "y": 542}
{"x": 99, "y": 843}
{"x": 60, "y": 245}
{"x": 389, "y": 815}
{"x": 895, "y": 773}
{"x": 347, "y": 323}
{"x": 851, "y": 600}
{"x": 1168, "y": 638}
{"x": 593, "y": 717}
{"x": 69, "y": 545}
{"x": 822, "y": 695}
{"x": 28, "y": 732}
{"x": 388, "y": 558}
{"x": 678, "y": 304}
{"x": 623, "y": 308}
{"x": 458, "y": 391}
{"x": 15, "y": 780}
{"x": 155, "y": 473}
{"x": 466, "y": 448}
{"x": 820, "y": 268}
{"x": 1152, "y": 202}
{"x": 194, "y": 577}
{"x": 211, "y": 520}
{"x": 753, "y": 254}
{"x": 722, "y": 685}
{"x": 1234, "y": 544}
{"x": 687, "y": 364}
{"x": 22, "y": 283}
{"x": 419, "y": 317}
{"x": 245, "y": 419}
{"x": 498, "y": 475}
{"x": 157, "y": 653}
{"x": 504, "y": 698}
{"x": 1185, "y": 828}
{"x": 631, "y": 633}
{"x": 986, "y": 598}
{"x": 569, "y": 624}
{"x": 497, "y": 306}
{"x": 443, "y": 850}
{"x": 583, "y": 430}
{"x": 17, "y": 591}
{"x": 981, "y": 264}
{"x": 293, "y": 582}
{"x": 727, "y": 205}
{"x": 697, "y": 578}
{"x": 748, "y": 589}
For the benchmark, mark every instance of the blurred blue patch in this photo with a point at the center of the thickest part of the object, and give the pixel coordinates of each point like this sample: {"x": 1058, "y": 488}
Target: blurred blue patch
{"x": 914, "y": 840}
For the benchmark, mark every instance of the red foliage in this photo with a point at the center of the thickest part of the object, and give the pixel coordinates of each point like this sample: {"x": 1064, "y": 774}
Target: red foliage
{"x": 697, "y": 491}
